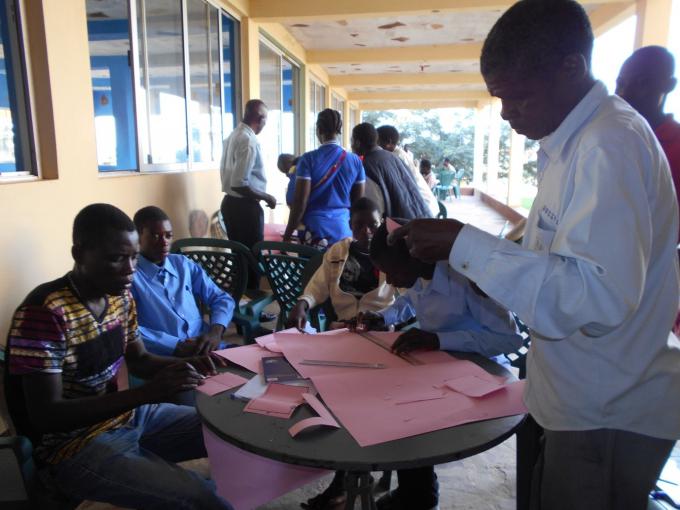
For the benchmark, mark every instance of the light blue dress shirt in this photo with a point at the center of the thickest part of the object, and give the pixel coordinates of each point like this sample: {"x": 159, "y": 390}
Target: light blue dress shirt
{"x": 463, "y": 320}
{"x": 166, "y": 302}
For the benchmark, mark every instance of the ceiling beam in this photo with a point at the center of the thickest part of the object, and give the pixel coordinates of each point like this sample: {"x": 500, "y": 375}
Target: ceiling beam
{"x": 609, "y": 15}
{"x": 392, "y": 54}
{"x": 420, "y": 95}
{"x": 392, "y": 79}
{"x": 297, "y": 11}
{"x": 416, "y": 105}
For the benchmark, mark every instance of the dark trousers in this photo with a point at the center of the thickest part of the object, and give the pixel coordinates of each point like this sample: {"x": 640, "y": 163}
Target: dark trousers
{"x": 602, "y": 469}
{"x": 244, "y": 221}
{"x": 418, "y": 488}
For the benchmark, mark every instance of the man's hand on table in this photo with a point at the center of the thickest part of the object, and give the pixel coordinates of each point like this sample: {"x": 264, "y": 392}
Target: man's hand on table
{"x": 172, "y": 379}
{"x": 427, "y": 239}
{"x": 416, "y": 339}
{"x": 366, "y": 321}
{"x": 297, "y": 318}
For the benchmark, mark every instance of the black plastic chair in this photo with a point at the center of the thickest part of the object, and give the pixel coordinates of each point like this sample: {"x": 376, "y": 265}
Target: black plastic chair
{"x": 227, "y": 262}
{"x": 283, "y": 264}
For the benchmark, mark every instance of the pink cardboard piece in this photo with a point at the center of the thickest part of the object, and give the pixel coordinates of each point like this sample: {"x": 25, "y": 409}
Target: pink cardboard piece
{"x": 391, "y": 225}
{"x": 248, "y": 480}
{"x": 473, "y": 386}
{"x": 278, "y": 401}
{"x": 221, "y": 382}
{"x": 409, "y": 395}
{"x": 358, "y": 400}
{"x": 325, "y": 418}
{"x": 248, "y": 356}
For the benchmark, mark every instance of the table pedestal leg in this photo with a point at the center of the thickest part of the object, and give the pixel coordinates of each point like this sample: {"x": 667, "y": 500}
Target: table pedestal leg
{"x": 359, "y": 483}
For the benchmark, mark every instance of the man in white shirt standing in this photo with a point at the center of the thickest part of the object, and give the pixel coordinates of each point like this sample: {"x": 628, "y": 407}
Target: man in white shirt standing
{"x": 388, "y": 139}
{"x": 244, "y": 181}
{"x": 596, "y": 277}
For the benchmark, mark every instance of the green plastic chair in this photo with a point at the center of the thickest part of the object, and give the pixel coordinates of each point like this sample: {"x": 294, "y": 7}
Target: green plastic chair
{"x": 445, "y": 187}
{"x": 442, "y": 211}
{"x": 283, "y": 264}
{"x": 227, "y": 262}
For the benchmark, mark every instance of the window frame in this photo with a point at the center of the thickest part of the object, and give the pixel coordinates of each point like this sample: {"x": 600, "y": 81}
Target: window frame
{"x": 142, "y": 112}
{"x": 21, "y": 86}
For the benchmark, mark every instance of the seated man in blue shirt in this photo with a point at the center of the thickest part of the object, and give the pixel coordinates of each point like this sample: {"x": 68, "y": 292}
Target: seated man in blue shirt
{"x": 454, "y": 316}
{"x": 166, "y": 287}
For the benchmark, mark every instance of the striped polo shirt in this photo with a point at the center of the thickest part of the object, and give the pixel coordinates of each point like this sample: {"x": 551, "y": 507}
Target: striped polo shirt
{"x": 52, "y": 332}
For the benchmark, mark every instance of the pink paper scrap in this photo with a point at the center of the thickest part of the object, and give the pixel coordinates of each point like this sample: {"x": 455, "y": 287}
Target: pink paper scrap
{"x": 278, "y": 401}
{"x": 269, "y": 341}
{"x": 391, "y": 225}
{"x": 474, "y": 386}
{"x": 221, "y": 382}
{"x": 325, "y": 418}
{"x": 248, "y": 356}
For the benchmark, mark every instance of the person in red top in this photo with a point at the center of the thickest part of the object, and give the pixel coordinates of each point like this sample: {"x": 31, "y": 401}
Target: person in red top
{"x": 644, "y": 81}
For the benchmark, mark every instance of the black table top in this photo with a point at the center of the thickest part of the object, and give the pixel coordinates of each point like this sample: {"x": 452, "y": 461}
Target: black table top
{"x": 331, "y": 448}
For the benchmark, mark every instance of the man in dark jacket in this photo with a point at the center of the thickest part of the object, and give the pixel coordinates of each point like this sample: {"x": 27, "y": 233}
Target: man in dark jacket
{"x": 388, "y": 182}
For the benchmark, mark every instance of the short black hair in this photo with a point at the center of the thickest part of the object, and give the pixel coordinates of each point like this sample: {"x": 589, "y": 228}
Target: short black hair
{"x": 388, "y": 134}
{"x": 250, "y": 111}
{"x": 426, "y": 163}
{"x": 285, "y": 158}
{"x": 366, "y": 134}
{"x": 381, "y": 251}
{"x": 363, "y": 204}
{"x": 329, "y": 122}
{"x": 654, "y": 60}
{"x": 96, "y": 221}
{"x": 147, "y": 215}
{"x": 534, "y": 36}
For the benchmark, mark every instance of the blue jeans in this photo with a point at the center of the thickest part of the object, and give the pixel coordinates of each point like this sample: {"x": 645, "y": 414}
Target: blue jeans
{"x": 134, "y": 466}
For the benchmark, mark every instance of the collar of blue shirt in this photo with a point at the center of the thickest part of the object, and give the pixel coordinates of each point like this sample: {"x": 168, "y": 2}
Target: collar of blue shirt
{"x": 553, "y": 144}
{"x": 151, "y": 270}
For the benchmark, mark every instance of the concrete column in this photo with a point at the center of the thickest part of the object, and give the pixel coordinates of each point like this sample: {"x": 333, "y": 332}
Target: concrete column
{"x": 494, "y": 147}
{"x": 346, "y": 125}
{"x": 250, "y": 59}
{"x": 653, "y": 22}
{"x": 517, "y": 142}
{"x": 478, "y": 158}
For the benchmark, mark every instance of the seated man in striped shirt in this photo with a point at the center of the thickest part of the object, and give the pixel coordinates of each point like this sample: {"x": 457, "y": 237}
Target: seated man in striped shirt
{"x": 66, "y": 344}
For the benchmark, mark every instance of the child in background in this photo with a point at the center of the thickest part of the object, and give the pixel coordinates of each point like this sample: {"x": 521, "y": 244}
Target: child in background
{"x": 453, "y": 315}
{"x": 286, "y": 163}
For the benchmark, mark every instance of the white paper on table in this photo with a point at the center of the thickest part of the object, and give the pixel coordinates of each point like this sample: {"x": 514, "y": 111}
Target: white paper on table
{"x": 256, "y": 386}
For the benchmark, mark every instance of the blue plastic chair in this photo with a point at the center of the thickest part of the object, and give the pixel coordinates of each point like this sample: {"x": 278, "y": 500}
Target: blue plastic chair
{"x": 445, "y": 187}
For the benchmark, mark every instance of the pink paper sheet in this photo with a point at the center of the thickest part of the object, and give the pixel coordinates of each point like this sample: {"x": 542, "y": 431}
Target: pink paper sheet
{"x": 221, "y": 382}
{"x": 325, "y": 417}
{"x": 248, "y": 356}
{"x": 249, "y": 481}
{"x": 278, "y": 400}
{"x": 362, "y": 403}
{"x": 269, "y": 341}
{"x": 391, "y": 225}
{"x": 474, "y": 386}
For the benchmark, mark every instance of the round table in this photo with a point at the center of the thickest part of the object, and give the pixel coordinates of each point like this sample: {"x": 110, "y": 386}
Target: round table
{"x": 335, "y": 449}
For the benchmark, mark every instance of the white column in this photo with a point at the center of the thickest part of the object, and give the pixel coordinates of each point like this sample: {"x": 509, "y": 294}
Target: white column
{"x": 517, "y": 142}
{"x": 494, "y": 147}
{"x": 481, "y": 115}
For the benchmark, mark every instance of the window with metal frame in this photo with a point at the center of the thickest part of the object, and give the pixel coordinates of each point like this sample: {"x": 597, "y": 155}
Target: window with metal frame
{"x": 17, "y": 151}
{"x": 164, "y": 81}
{"x": 317, "y": 103}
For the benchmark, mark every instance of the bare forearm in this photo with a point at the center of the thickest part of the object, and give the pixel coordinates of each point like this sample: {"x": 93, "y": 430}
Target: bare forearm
{"x": 147, "y": 365}
{"x": 297, "y": 211}
{"x": 70, "y": 414}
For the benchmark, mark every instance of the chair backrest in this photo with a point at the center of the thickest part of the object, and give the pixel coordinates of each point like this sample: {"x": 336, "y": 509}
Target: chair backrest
{"x": 443, "y": 213}
{"x": 446, "y": 178}
{"x": 518, "y": 359}
{"x": 226, "y": 262}
{"x": 284, "y": 265}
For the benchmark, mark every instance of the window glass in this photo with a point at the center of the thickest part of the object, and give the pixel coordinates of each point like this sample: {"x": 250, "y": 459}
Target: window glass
{"x": 15, "y": 155}
{"x": 230, "y": 75}
{"x": 108, "y": 31}
{"x": 163, "y": 135}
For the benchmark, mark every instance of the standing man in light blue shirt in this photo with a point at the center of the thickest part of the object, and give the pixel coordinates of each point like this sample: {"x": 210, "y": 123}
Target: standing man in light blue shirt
{"x": 166, "y": 287}
{"x": 596, "y": 277}
{"x": 244, "y": 181}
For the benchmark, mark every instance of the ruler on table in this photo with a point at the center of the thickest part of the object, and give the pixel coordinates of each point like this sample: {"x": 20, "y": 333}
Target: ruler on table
{"x": 406, "y": 357}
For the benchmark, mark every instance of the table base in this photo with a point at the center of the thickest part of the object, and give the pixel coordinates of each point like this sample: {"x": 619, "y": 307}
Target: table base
{"x": 359, "y": 484}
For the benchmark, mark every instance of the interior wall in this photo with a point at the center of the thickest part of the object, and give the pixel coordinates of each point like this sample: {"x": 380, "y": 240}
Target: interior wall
{"x": 36, "y": 219}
